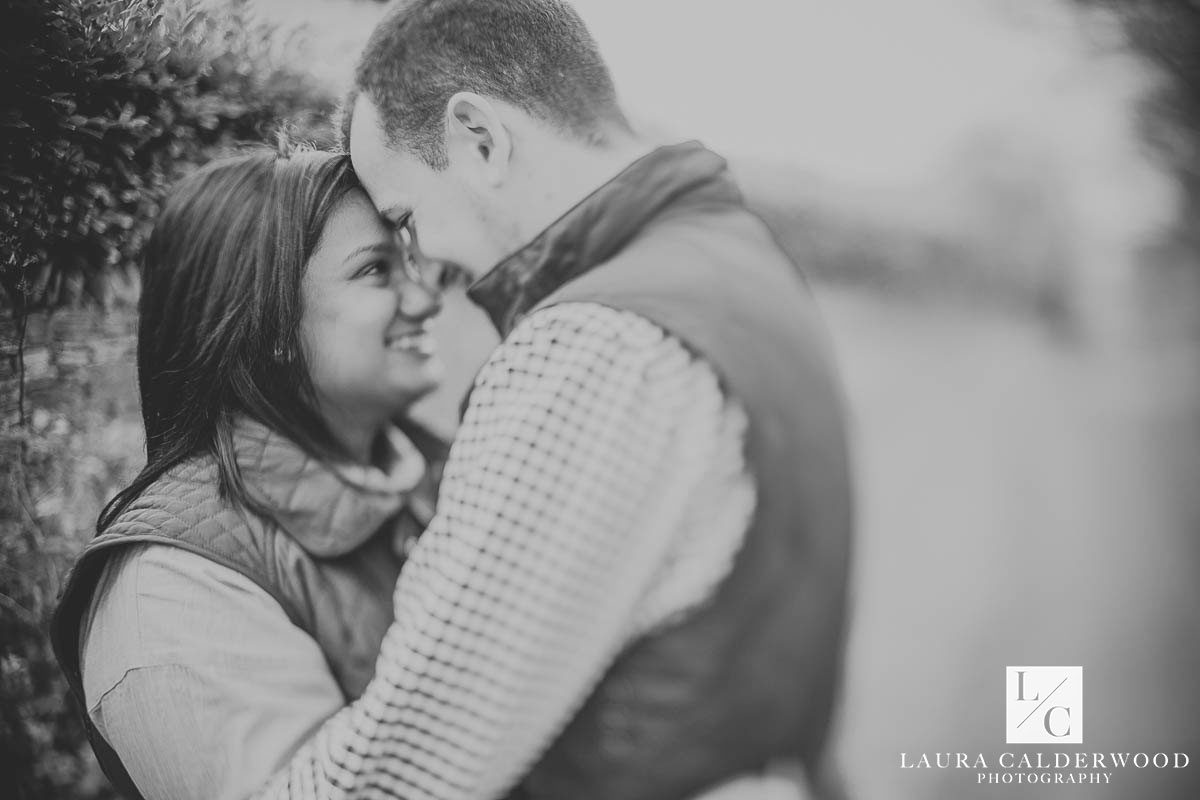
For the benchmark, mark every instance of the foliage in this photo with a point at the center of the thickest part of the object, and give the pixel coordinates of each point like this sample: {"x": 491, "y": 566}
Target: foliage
{"x": 1167, "y": 34}
{"x": 105, "y": 103}
{"x": 43, "y": 751}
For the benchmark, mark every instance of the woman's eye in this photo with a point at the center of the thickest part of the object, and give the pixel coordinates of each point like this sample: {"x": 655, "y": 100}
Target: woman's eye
{"x": 380, "y": 270}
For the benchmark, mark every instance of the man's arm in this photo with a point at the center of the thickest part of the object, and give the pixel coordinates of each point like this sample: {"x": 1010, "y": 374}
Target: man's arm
{"x": 585, "y": 436}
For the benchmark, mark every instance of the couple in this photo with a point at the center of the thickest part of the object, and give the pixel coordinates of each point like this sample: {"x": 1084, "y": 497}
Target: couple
{"x": 625, "y": 580}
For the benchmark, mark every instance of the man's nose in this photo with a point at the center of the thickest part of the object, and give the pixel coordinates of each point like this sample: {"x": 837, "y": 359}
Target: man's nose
{"x": 417, "y": 301}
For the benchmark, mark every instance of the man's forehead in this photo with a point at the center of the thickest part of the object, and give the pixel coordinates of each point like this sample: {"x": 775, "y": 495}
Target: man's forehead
{"x": 381, "y": 169}
{"x": 366, "y": 136}
{"x": 370, "y": 150}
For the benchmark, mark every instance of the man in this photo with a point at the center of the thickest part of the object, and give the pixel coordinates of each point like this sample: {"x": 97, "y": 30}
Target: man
{"x": 634, "y": 585}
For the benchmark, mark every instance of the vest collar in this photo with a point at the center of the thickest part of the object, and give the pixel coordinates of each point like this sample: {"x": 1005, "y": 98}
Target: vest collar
{"x": 329, "y": 509}
{"x": 599, "y": 226}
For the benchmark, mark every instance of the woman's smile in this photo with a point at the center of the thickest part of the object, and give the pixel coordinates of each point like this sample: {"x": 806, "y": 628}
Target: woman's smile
{"x": 418, "y": 342}
{"x": 365, "y": 329}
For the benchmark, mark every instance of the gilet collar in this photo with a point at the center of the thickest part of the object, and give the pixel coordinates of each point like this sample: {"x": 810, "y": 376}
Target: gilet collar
{"x": 329, "y": 509}
{"x": 599, "y": 226}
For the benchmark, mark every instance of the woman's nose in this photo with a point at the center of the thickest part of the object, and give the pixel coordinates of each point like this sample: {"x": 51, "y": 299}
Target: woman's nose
{"x": 418, "y": 301}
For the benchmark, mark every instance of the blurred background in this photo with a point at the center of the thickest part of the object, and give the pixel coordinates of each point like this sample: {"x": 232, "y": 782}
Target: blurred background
{"x": 999, "y": 203}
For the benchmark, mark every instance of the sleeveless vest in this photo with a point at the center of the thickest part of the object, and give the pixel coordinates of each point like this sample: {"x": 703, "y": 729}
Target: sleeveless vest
{"x": 751, "y": 675}
{"x": 339, "y": 595}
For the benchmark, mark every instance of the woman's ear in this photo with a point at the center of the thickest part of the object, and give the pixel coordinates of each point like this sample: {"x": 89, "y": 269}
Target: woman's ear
{"x": 477, "y": 138}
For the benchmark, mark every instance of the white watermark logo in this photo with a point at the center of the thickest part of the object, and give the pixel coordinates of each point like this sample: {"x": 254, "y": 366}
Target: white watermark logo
{"x": 1044, "y": 705}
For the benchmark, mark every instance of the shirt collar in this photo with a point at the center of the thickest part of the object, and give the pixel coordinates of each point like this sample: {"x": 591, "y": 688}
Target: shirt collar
{"x": 598, "y": 227}
{"x": 329, "y": 509}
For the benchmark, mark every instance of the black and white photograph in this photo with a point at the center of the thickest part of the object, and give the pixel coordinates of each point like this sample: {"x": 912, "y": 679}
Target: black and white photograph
{"x": 599, "y": 400}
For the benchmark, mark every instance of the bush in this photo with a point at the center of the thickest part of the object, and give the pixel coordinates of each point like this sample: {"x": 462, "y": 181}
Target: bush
{"x": 105, "y": 103}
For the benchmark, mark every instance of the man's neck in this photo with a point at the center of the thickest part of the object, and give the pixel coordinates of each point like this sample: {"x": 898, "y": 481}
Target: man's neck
{"x": 568, "y": 173}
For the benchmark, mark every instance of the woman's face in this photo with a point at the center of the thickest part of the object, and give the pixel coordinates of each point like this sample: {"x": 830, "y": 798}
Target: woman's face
{"x": 363, "y": 324}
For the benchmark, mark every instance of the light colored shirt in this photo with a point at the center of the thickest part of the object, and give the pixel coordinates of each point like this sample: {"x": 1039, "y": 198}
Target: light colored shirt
{"x": 597, "y": 490}
{"x": 196, "y": 676}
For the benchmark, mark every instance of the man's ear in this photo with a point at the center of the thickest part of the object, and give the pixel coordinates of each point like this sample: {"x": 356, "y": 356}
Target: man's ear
{"x": 476, "y": 133}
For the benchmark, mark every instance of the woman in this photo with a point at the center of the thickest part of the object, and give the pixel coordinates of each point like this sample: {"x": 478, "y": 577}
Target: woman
{"x": 238, "y": 589}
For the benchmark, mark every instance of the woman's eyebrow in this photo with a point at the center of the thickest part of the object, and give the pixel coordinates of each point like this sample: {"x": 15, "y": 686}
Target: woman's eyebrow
{"x": 375, "y": 247}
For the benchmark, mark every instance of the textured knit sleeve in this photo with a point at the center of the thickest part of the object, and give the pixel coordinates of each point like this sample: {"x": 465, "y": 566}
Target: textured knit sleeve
{"x": 586, "y": 437}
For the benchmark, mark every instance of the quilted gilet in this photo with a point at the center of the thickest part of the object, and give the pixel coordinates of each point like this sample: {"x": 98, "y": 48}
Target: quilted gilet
{"x": 752, "y": 675}
{"x": 338, "y": 590}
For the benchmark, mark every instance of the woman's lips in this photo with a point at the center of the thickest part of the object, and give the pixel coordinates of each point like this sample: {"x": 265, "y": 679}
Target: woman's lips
{"x": 419, "y": 342}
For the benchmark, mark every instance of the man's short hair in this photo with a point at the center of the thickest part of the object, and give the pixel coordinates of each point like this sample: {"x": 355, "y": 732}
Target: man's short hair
{"x": 534, "y": 54}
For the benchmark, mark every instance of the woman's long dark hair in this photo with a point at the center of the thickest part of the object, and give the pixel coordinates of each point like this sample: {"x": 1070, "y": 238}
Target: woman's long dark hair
{"x": 220, "y": 309}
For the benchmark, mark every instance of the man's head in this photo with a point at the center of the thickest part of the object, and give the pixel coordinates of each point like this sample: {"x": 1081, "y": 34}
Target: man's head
{"x": 462, "y": 108}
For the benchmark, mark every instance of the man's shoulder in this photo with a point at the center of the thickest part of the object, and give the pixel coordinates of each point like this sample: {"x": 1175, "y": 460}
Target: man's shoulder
{"x": 580, "y": 321}
{"x": 585, "y": 348}
{"x": 584, "y": 337}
